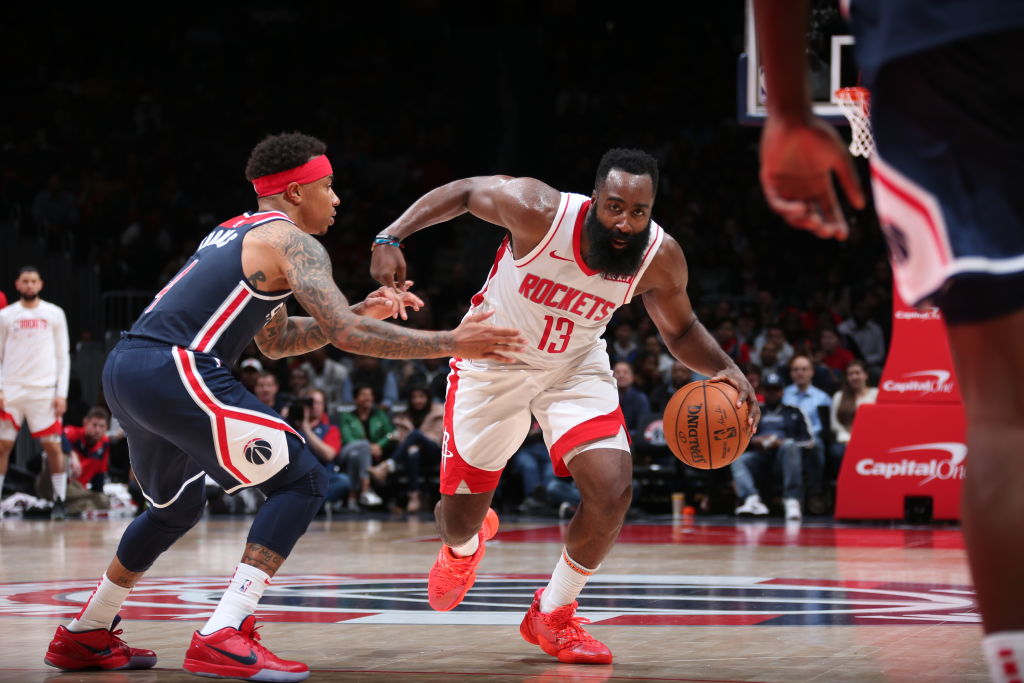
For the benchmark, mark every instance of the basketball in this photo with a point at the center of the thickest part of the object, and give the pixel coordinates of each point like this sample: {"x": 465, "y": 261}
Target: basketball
{"x": 703, "y": 427}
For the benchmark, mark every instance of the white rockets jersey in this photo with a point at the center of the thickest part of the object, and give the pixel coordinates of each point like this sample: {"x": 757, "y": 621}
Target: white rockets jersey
{"x": 34, "y": 347}
{"x": 559, "y": 304}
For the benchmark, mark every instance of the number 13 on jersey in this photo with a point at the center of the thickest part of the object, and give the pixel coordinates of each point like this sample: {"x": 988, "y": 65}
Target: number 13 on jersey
{"x": 561, "y": 328}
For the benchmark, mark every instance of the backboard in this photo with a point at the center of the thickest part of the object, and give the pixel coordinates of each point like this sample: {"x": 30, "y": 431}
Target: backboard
{"x": 830, "y": 61}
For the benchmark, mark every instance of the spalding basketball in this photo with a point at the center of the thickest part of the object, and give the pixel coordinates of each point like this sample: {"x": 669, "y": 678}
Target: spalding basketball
{"x": 703, "y": 427}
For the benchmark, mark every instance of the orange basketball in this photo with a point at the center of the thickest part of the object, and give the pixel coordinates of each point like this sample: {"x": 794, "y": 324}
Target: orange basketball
{"x": 703, "y": 427}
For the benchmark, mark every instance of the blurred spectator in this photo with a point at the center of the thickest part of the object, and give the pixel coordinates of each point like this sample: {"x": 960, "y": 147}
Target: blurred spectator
{"x": 769, "y": 361}
{"x": 427, "y": 372}
{"x": 249, "y": 372}
{"x": 420, "y": 430}
{"x": 654, "y": 347}
{"x": 646, "y": 375}
{"x": 866, "y": 335}
{"x": 623, "y": 348}
{"x": 777, "y": 445}
{"x": 369, "y": 371}
{"x": 783, "y": 350}
{"x": 812, "y": 402}
{"x": 754, "y": 375}
{"x": 367, "y": 435}
{"x": 324, "y": 440}
{"x": 267, "y": 390}
{"x": 298, "y": 383}
{"x": 746, "y": 326}
{"x": 680, "y": 377}
{"x": 845, "y": 402}
{"x": 54, "y": 209}
{"x": 633, "y": 402}
{"x": 325, "y": 374}
{"x": 725, "y": 335}
{"x": 832, "y": 354}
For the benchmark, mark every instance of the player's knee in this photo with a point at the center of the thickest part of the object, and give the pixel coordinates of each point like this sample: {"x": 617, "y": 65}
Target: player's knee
{"x": 154, "y": 531}
{"x": 288, "y": 510}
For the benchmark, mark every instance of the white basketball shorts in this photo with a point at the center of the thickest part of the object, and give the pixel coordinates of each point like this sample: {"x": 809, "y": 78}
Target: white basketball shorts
{"x": 34, "y": 404}
{"x": 487, "y": 416}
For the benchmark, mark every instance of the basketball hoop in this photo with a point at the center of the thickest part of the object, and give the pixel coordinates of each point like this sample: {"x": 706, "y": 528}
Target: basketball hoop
{"x": 856, "y": 105}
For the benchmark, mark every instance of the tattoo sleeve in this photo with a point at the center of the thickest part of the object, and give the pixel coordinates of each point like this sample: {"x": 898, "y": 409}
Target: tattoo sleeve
{"x": 309, "y": 273}
{"x": 285, "y": 336}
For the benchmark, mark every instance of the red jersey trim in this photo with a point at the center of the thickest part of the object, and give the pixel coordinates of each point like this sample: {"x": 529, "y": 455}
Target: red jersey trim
{"x": 577, "y": 235}
{"x": 455, "y": 470}
{"x": 599, "y": 427}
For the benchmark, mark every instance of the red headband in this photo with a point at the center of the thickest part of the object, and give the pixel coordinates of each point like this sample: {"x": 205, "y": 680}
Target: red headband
{"x": 275, "y": 183}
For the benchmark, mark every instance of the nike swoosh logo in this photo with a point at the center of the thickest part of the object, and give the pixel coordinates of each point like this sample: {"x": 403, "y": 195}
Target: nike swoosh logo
{"x": 96, "y": 651}
{"x": 554, "y": 254}
{"x": 248, "y": 661}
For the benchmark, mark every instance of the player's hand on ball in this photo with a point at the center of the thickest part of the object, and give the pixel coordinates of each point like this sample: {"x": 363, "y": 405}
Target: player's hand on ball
{"x": 474, "y": 338}
{"x": 739, "y": 382}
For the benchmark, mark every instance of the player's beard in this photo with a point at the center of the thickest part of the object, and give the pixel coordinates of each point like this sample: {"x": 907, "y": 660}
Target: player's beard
{"x": 28, "y": 298}
{"x": 606, "y": 258}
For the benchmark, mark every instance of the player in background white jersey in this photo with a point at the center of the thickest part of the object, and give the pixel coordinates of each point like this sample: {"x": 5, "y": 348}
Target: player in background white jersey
{"x": 571, "y": 261}
{"x": 34, "y": 372}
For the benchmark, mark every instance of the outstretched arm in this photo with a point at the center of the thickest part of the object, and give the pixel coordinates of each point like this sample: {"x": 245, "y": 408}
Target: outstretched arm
{"x": 525, "y": 206}
{"x": 685, "y": 336}
{"x": 308, "y": 271}
{"x": 799, "y": 151}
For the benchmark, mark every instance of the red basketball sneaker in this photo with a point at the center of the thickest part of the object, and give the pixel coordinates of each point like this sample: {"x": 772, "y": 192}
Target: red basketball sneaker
{"x": 451, "y": 577}
{"x": 561, "y": 634}
{"x": 96, "y": 649}
{"x": 237, "y": 653}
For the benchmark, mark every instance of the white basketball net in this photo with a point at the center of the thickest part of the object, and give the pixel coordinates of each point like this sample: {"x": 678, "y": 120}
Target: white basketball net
{"x": 856, "y": 105}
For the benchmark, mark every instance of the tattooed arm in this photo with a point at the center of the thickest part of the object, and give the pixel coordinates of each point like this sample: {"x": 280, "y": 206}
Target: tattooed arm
{"x": 287, "y": 336}
{"x": 308, "y": 271}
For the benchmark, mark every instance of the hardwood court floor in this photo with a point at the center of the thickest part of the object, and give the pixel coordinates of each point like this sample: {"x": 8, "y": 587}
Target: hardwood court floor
{"x": 718, "y": 600}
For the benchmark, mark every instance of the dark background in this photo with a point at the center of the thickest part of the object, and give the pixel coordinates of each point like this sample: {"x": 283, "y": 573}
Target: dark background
{"x": 146, "y": 117}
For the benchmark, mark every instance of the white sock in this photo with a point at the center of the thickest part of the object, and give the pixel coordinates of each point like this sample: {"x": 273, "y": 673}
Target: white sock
{"x": 1004, "y": 654}
{"x": 567, "y": 581}
{"x": 104, "y": 604}
{"x": 60, "y": 485}
{"x": 239, "y": 600}
{"x": 467, "y": 548}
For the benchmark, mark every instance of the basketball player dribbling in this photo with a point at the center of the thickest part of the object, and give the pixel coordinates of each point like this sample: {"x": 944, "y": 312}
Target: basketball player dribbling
{"x": 946, "y": 102}
{"x": 168, "y": 383}
{"x": 568, "y": 262}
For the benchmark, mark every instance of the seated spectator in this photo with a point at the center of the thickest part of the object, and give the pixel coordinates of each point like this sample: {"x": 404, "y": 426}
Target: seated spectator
{"x": 367, "y": 435}
{"x": 323, "y": 439}
{"x": 783, "y": 350}
{"x": 781, "y": 436}
{"x": 809, "y": 399}
{"x": 531, "y": 466}
{"x": 754, "y": 375}
{"x": 633, "y": 402}
{"x": 654, "y": 347}
{"x": 421, "y": 429}
{"x": 646, "y": 375}
{"x": 624, "y": 348}
{"x": 680, "y": 377}
{"x": 248, "y": 372}
{"x": 426, "y": 372}
{"x": 268, "y": 391}
{"x": 325, "y": 374}
{"x": 845, "y": 402}
{"x": 865, "y": 336}
{"x": 725, "y": 335}
{"x": 298, "y": 384}
{"x": 769, "y": 360}
{"x": 369, "y": 372}
{"x": 832, "y": 353}
{"x": 89, "y": 446}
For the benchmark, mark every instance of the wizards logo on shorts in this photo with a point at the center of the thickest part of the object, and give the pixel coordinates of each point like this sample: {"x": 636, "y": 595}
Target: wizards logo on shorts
{"x": 258, "y": 451}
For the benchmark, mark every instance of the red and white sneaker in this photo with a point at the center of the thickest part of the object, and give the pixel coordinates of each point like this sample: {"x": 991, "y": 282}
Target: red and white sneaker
{"x": 451, "y": 577}
{"x": 96, "y": 649}
{"x": 560, "y": 633}
{"x": 237, "y": 653}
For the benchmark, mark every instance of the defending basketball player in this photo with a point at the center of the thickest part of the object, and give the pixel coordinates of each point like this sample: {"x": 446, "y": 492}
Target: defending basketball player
{"x": 568, "y": 263}
{"x": 946, "y": 100}
{"x": 168, "y": 383}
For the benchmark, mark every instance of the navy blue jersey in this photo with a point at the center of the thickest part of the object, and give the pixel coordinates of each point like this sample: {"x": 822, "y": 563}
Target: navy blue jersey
{"x": 886, "y": 30}
{"x": 208, "y": 306}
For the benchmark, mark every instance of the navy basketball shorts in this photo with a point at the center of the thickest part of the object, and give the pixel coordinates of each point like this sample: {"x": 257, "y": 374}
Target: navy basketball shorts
{"x": 185, "y": 416}
{"x": 948, "y": 175}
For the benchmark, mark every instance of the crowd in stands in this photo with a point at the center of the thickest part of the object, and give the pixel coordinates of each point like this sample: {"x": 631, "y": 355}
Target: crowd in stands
{"x": 125, "y": 163}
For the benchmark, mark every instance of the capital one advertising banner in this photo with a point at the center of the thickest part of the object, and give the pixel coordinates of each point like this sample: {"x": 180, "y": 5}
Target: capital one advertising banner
{"x": 911, "y": 443}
